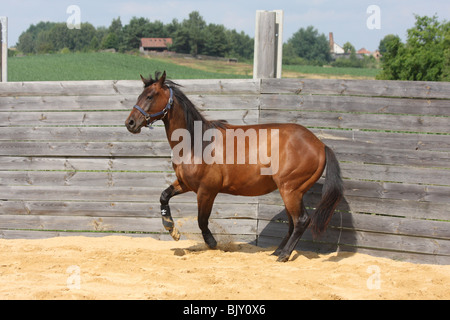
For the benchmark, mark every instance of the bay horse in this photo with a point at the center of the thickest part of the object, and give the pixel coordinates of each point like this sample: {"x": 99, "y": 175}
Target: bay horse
{"x": 301, "y": 158}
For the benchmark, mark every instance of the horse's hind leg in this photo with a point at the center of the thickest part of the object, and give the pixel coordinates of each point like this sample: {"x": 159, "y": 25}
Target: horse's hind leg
{"x": 300, "y": 221}
{"x": 277, "y": 252}
{"x": 205, "y": 203}
{"x": 168, "y": 223}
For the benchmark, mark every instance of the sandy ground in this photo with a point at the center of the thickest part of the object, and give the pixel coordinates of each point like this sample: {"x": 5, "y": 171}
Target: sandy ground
{"x": 143, "y": 268}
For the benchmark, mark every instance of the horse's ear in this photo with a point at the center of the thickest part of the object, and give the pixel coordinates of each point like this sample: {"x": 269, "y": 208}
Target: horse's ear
{"x": 162, "y": 78}
{"x": 146, "y": 82}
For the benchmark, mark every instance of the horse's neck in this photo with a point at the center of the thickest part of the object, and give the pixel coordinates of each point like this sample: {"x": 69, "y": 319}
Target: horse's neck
{"x": 174, "y": 120}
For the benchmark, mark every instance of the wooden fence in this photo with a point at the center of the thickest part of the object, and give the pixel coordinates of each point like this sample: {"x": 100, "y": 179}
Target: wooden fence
{"x": 68, "y": 165}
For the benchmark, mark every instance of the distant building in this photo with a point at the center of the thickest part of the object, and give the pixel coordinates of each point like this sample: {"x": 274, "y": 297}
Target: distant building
{"x": 364, "y": 51}
{"x": 376, "y": 54}
{"x": 338, "y": 52}
{"x": 155, "y": 44}
{"x": 334, "y": 47}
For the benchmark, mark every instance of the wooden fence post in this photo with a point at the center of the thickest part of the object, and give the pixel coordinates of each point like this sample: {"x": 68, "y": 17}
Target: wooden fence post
{"x": 268, "y": 44}
{"x": 4, "y": 49}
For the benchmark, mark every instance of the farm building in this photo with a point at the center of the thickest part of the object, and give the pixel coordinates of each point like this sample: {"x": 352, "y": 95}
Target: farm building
{"x": 155, "y": 44}
{"x": 338, "y": 52}
{"x": 334, "y": 47}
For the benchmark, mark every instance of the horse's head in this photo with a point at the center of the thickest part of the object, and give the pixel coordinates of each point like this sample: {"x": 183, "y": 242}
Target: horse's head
{"x": 152, "y": 104}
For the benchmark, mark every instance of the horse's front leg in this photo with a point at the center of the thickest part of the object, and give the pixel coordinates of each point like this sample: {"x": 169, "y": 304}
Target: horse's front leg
{"x": 167, "y": 220}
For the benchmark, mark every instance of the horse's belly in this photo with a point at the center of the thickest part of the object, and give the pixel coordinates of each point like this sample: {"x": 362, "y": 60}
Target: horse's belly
{"x": 249, "y": 186}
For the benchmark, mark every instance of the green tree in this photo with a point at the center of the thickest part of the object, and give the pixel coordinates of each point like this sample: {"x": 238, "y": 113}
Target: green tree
{"x": 110, "y": 41}
{"x": 424, "y": 56}
{"x": 27, "y": 40}
{"x": 240, "y": 44}
{"x": 95, "y": 44}
{"x": 133, "y": 32}
{"x": 190, "y": 36}
{"x": 44, "y": 42}
{"x": 116, "y": 39}
{"x": 349, "y": 48}
{"x": 195, "y": 26}
{"x": 26, "y": 43}
{"x": 310, "y": 45}
{"x": 181, "y": 41}
{"x": 216, "y": 41}
{"x": 382, "y": 47}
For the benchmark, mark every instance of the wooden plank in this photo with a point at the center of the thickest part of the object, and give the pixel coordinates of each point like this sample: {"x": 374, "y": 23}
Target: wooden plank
{"x": 265, "y": 47}
{"x": 370, "y": 88}
{"x": 363, "y": 152}
{"x": 119, "y": 87}
{"x": 81, "y": 134}
{"x": 62, "y": 88}
{"x": 135, "y": 224}
{"x": 108, "y": 118}
{"x": 407, "y": 123}
{"x": 222, "y": 209}
{"x": 223, "y": 240}
{"x": 76, "y": 164}
{"x": 376, "y": 190}
{"x": 404, "y": 174}
{"x": 106, "y": 194}
{"x": 389, "y": 140}
{"x": 67, "y": 103}
{"x": 429, "y": 107}
{"x": 119, "y": 102}
{"x": 85, "y": 149}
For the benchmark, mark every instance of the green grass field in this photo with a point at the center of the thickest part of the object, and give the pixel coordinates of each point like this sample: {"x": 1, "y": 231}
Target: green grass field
{"x": 98, "y": 66}
{"x": 356, "y": 72}
{"x": 116, "y": 66}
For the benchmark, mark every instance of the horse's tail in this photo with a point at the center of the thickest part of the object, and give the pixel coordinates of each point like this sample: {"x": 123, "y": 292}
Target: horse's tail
{"x": 332, "y": 192}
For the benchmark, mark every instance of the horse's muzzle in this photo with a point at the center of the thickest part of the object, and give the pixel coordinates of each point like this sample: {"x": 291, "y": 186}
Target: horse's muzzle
{"x": 132, "y": 126}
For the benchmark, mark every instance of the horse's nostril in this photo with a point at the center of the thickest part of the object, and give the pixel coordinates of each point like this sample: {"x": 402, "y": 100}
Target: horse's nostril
{"x": 131, "y": 123}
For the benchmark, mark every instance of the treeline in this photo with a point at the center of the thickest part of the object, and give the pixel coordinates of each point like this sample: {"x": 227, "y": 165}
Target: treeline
{"x": 192, "y": 36}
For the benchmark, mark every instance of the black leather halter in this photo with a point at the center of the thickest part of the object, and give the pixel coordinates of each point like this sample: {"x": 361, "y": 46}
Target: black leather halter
{"x": 154, "y": 115}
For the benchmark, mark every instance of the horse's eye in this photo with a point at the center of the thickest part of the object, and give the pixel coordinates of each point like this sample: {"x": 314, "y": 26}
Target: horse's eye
{"x": 149, "y": 98}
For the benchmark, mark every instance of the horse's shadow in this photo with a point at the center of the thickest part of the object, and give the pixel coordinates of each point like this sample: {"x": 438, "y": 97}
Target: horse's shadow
{"x": 339, "y": 236}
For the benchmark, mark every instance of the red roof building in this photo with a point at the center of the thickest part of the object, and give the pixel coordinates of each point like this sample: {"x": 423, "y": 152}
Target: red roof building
{"x": 364, "y": 51}
{"x": 155, "y": 44}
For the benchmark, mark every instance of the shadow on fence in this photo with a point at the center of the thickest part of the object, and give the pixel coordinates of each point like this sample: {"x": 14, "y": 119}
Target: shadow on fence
{"x": 340, "y": 234}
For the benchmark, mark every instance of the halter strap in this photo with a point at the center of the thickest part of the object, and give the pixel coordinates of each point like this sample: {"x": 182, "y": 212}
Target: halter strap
{"x": 162, "y": 112}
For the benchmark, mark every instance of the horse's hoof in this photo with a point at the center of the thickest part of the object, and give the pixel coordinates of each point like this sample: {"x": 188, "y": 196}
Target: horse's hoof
{"x": 212, "y": 244}
{"x": 283, "y": 258}
{"x": 276, "y": 253}
{"x": 209, "y": 240}
{"x": 175, "y": 234}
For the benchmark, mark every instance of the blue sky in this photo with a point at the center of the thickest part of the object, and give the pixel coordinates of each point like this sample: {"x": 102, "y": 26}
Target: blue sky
{"x": 346, "y": 19}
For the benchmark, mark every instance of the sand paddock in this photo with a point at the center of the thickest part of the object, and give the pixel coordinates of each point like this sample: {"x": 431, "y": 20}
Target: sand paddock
{"x": 119, "y": 267}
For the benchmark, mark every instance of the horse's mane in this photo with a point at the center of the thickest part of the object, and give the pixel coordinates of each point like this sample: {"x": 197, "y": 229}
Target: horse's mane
{"x": 191, "y": 113}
